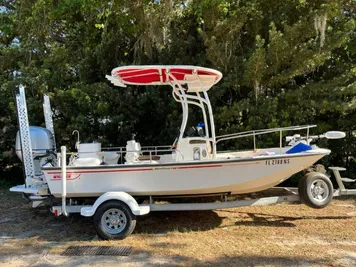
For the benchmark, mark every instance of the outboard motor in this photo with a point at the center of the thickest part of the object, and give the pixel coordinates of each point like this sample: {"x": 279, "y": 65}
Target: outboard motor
{"x": 43, "y": 148}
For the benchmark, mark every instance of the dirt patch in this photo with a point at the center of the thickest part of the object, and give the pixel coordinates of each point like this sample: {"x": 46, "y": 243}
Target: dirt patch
{"x": 278, "y": 235}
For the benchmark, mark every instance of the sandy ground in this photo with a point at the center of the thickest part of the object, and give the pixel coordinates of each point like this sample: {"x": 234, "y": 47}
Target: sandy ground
{"x": 277, "y": 235}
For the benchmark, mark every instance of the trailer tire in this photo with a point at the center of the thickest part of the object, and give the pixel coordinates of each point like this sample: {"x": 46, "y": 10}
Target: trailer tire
{"x": 114, "y": 220}
{"x": 315, "y": 190}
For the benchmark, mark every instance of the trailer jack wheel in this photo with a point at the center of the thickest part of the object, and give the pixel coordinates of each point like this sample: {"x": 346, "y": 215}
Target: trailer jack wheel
{"x": 315, "y": 190}
{"x": 114, "y": 220}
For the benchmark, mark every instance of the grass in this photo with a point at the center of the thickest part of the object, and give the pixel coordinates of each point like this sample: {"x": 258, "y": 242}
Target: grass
{"x": 284, "y": 234}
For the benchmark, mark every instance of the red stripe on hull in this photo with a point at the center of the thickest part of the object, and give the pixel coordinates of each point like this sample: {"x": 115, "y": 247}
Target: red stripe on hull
{"x": 131, "y": 170}
{"x": 151, "y": 169}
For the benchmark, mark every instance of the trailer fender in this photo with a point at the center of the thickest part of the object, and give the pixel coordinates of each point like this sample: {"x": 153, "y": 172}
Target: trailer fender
{"x": 121, "y": 196}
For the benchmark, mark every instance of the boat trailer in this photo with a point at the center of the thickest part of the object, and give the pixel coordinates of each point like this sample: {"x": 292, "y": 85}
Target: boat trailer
{"x": 125, "y": 201}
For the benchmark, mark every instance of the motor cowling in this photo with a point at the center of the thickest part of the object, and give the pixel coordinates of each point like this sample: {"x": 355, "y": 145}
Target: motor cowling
{"x": 41, "y": 142}
{"x": 43, "y": 148}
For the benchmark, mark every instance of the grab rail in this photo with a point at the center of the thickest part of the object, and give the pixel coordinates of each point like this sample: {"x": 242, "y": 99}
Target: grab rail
{"x": 142, "y": 147}
{"x": 264, "y": 131}
{"x": 251, "y": 132}
{"x": 122, "y": 150}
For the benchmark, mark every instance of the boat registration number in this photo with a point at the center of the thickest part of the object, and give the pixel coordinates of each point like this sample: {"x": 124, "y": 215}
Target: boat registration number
{"x": 277, "y": 161}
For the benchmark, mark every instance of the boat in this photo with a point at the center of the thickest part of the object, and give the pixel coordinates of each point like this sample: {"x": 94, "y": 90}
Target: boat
{"x": 109, "y": 184}
{"x": 192, "y": 165}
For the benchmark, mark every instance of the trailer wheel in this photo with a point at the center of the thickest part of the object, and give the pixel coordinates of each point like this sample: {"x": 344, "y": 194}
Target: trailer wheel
{"x": 315, "y": 190}
{"x": 114, "y": 220}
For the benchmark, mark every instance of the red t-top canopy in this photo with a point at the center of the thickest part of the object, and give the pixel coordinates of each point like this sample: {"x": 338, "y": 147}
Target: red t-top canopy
{"x": 196, "y": 78}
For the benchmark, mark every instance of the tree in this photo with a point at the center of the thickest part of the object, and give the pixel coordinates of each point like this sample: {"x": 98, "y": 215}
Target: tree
{"x": 284, "y": 63}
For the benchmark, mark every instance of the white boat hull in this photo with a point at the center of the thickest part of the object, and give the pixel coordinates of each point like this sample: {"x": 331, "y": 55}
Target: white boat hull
{"x": 237, "y": 176}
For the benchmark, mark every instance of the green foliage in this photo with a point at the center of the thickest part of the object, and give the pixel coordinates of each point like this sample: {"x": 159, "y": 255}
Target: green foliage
{"x": 281, "y": 67}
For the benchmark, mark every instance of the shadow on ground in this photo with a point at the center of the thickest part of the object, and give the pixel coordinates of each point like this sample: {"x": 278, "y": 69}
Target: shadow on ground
{"x": 272, "y": 220}
{"x": 182, "y": 221}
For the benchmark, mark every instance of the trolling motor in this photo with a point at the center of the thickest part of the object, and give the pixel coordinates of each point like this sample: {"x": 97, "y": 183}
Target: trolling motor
{"x": 292, "y": 140}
